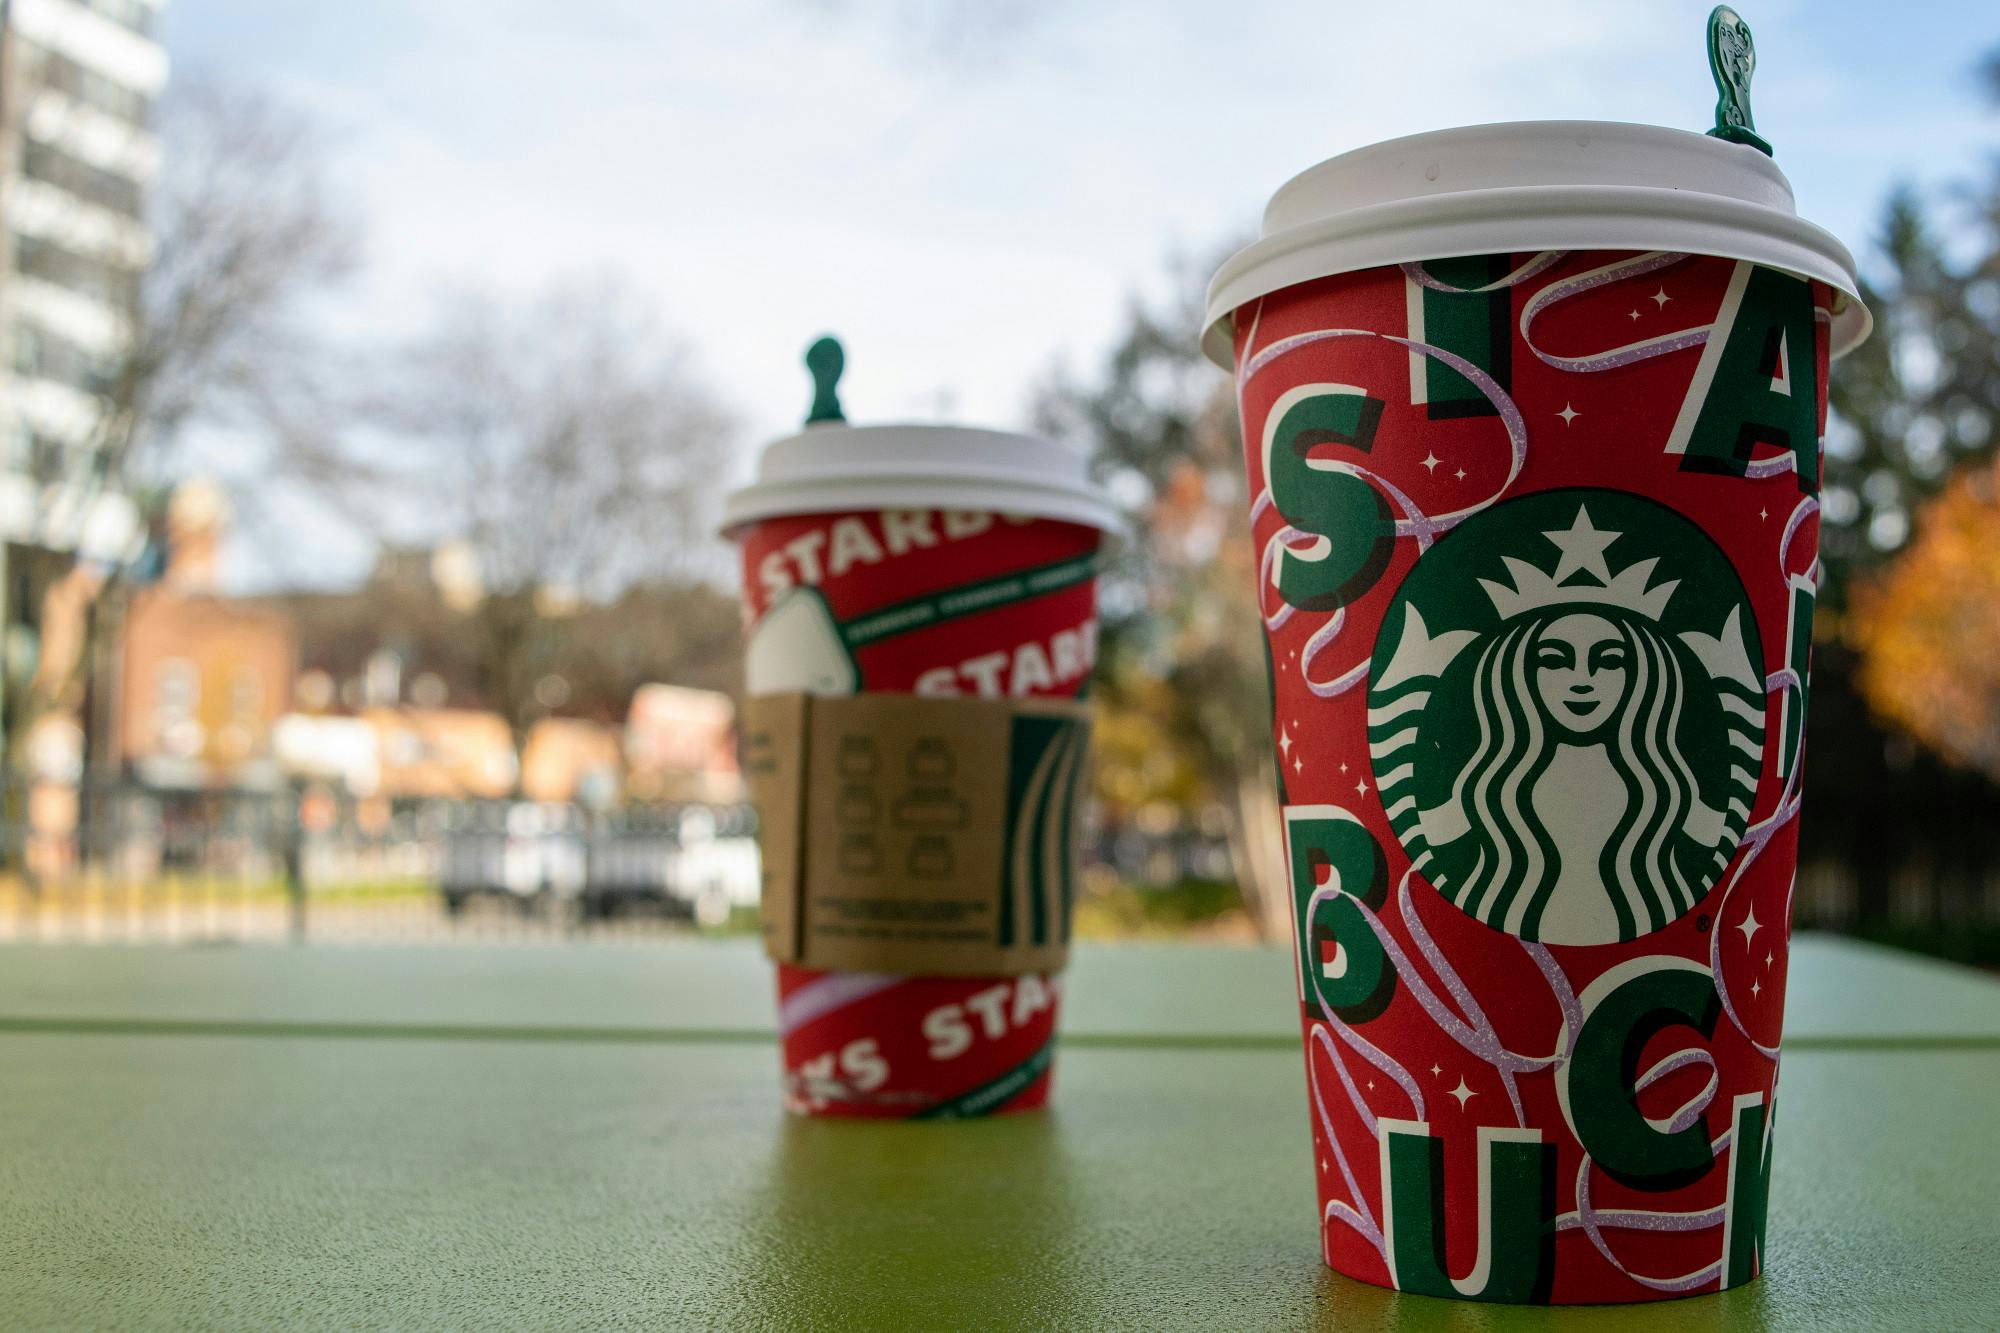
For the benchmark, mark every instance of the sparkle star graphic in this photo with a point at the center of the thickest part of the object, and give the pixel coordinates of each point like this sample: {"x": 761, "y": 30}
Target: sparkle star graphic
{"x": 1461, "y": 474}
{"x": 1582, "y": 548}
{"x": 1371, "y": 1085}
{"x": 1343, "y": 768}
{"x": 1568, "y": 414}
{"x": 1360, "y": 789}
{"x": 1767, "y": 960}
{"x": 1763, "y": 513}
{"x": 1462, "y": 1093}
{"x": 1660, "y": 298}
{"x": 1285, "y": 743}
{"x": 1435, "y": 1071}
{"x": 1749, "y": 926}
{"x": 1298, "y": 765}
{"x": 1430, "y": 463}
{"x": 1635, "y": 314}
{"x": 1756, "y": 989}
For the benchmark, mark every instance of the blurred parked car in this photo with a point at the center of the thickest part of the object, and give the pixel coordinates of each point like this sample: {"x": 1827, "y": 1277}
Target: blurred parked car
{"x": 693, "y": 862}
{"x": 715, "y": 866}
{"x": 532, "y": 854}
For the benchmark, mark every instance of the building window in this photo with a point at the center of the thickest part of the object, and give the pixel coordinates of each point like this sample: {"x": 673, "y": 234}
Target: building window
{"x": 46, "y": 459}
{"x": 176, "y": 693}
{"x": 246, "y": 696}
{"x": 34, "y": 455}
{"x": 27, "y": 351}
{"x": 131, "y": 14}
{"x": 178, "y": 688}
{"x": 41, "y": 354}
{"x": 42, "y": 68}
{"x": 107, "y": 189}
{"x": 47, "y": 355}
{"x": 112, "y": 283}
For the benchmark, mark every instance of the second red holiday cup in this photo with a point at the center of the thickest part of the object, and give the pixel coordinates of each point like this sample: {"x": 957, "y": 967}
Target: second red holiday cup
{"x": 920, "y": 604}
{"x": 1532, "y": 417}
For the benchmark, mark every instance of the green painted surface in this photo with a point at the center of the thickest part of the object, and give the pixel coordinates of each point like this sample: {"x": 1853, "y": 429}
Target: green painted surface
{"x": 1839, "y": 989}
{"x": 337, "y": 1182}
{"x": 476, "y": 1180}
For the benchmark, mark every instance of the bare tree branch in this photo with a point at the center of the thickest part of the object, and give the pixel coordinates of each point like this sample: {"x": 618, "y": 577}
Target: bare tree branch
{"x": 245, "y": 234}
{"x": 566, "y": 442}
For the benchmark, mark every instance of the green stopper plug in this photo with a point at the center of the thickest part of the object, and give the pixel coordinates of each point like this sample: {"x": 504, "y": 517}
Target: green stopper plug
{"x": 825, "y": 360}
{"x": 1732, "y": 59}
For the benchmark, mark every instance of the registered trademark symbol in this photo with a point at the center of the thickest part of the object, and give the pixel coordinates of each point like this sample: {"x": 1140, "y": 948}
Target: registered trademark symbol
{"x": 1701, "y": 923}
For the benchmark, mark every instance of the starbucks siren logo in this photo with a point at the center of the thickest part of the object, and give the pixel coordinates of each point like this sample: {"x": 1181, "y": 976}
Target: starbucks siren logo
{"x": 1569, "y": 751}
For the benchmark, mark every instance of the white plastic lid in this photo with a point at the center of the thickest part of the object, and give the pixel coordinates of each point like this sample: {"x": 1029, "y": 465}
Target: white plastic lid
{"x": 833, "y": 468}
{"x": 1528, "y": 186}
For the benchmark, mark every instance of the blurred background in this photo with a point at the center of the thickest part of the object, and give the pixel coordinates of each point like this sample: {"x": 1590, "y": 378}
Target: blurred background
{"x": 370, "y": 375}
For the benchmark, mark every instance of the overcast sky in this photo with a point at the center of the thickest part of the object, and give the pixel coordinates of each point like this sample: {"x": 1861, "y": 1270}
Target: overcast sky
{"x": 970, "y": 201}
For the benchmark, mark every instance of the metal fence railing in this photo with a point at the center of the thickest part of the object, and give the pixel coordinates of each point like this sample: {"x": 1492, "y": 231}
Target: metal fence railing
{"x": 125, "y": 861}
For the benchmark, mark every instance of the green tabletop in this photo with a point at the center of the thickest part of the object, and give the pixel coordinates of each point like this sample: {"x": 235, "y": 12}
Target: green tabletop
{"x": 590, "y": 1135}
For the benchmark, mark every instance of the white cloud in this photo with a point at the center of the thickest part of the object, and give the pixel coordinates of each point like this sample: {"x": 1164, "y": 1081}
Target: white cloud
{"x": 964, "y": 212}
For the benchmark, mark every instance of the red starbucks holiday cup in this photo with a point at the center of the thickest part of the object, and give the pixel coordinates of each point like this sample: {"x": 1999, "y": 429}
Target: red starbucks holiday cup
{"x": 1531, "y": 416}
{"x": 925, "y": 560}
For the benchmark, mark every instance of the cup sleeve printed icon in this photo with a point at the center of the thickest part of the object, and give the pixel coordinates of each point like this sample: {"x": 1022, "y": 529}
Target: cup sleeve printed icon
{"x": 931, "y": 857}
{"x": 858, "y": 757}
{"x": 857, "y": 802}
{"x": 930, "y": 800}
{"x": 931, "y": 760}
{"x": 857, "y": 807}
{"x": 860, "y": 854}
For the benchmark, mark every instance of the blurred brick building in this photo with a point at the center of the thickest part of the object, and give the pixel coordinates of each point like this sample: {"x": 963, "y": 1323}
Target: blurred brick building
{"x": 203, "y": 679}
{"x": 444, "y": 753}
{"x": 572, "y": 759}
{"x": 680, "y": 745}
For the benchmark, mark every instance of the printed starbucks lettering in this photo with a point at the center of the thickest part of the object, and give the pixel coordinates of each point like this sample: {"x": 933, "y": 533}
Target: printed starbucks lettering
{"x": 1531, "y": 418}
{"x": 1535, "y": 540}
{"x": 917, "y": 895}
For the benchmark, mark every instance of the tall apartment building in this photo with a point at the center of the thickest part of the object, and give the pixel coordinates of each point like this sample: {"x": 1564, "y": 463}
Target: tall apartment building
{"x": 78, "y": 80}
{"x": 77, "y": 151}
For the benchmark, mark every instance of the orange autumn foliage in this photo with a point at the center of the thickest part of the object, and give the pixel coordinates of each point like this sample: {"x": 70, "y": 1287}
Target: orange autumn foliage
{"x": 1928, "y": 627}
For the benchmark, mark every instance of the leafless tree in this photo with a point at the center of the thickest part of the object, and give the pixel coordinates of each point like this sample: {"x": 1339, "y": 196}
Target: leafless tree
{"x": 565, "y": 441}
{"x": 1183, "y": 647}
{"x": 245, "y": 235}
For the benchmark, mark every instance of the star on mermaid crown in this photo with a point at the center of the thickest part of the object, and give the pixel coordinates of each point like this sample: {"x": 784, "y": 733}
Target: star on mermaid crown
{"x": 1582, "y": 547}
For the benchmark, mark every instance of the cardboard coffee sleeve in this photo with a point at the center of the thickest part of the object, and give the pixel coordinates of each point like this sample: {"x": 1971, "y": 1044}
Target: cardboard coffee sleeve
{"x": 914, "y": 835}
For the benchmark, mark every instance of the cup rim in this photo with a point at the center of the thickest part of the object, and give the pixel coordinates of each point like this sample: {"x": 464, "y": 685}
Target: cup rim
{"x": 838, "y": 469}
{"x": 1631, "y": 188}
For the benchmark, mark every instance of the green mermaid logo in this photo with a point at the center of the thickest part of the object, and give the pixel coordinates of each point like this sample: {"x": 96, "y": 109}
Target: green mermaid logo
{"x": 1569, "y": 752}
